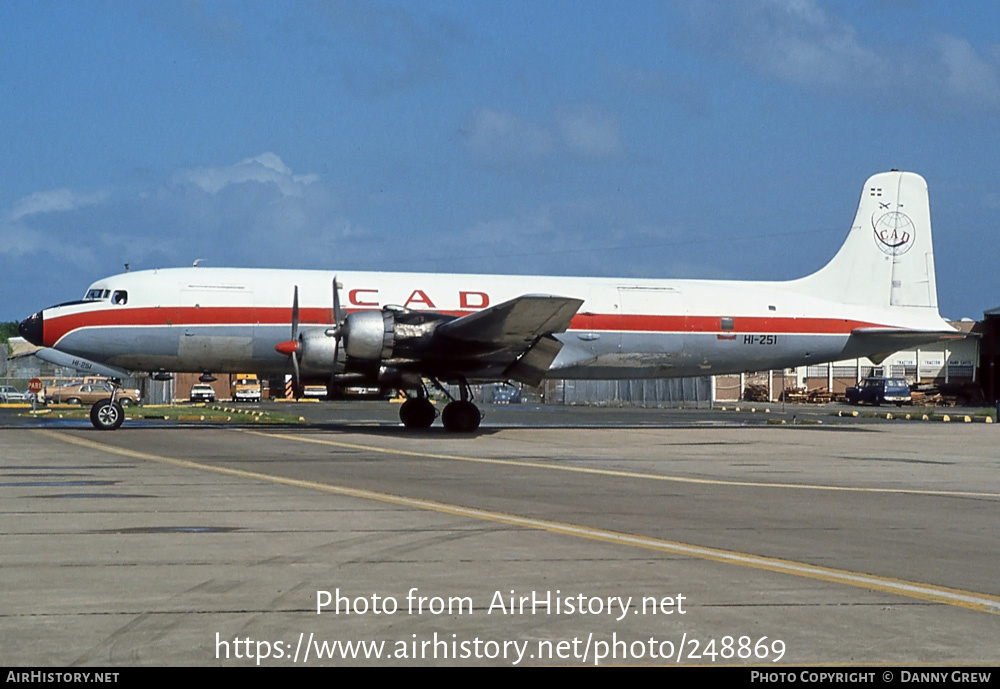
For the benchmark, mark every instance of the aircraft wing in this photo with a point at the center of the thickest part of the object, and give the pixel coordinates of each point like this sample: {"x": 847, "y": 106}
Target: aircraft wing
{"x": 887, "y": 341}
{"x": 516, "y": 334}
{"x": 520, "y": 320}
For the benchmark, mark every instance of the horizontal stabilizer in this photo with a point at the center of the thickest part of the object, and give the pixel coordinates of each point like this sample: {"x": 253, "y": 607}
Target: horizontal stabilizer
{"x": 879, "y": 343}
{"x": 518, "y": 321}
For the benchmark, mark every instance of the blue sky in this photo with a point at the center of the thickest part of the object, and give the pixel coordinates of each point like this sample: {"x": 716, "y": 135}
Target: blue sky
{"x": 654, "y": 139}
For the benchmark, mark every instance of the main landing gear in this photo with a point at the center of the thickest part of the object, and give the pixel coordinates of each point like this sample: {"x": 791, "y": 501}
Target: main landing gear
{"x": 417, "y": 412}
{"x": 459, "y": 416}
{"x": 107, "y": 414}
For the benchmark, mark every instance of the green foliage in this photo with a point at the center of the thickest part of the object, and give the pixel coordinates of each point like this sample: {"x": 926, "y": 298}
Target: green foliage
{"x": 8, "y": 329}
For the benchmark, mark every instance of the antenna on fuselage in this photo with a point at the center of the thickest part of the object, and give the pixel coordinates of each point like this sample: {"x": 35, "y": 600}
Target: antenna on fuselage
{"x": 197, "y": 261}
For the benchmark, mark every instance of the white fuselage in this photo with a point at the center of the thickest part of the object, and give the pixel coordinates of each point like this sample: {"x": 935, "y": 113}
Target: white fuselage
{"x": 230, "y": 320}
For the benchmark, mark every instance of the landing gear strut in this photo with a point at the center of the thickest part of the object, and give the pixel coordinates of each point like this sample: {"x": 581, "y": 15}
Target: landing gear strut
{"x": 107, "y": 414}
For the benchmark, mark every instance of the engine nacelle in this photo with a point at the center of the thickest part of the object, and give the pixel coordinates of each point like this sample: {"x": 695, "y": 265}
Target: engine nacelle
{"x": 370, "y": 335}
{"x": 317, "y": 351}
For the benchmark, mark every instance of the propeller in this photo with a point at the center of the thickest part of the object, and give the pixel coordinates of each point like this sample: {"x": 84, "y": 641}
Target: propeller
{"x": 337, "y": 331}
{"x": 291, "y": 346}
{"x": 294, "y": 346}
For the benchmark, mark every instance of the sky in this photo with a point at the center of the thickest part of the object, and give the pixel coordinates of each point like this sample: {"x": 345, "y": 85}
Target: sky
{"x": 694, "y": 139}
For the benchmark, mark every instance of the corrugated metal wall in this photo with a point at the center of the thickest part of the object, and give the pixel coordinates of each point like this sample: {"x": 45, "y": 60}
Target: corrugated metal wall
{"x": 657, "y": 392}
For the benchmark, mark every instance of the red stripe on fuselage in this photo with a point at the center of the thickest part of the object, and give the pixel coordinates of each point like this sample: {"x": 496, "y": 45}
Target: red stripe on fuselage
{"x": 57, "y": 327}
{"x": 712, "y": 324}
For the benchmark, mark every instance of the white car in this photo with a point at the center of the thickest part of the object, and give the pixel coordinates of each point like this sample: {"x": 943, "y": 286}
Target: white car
{"x": 202, "y": 392}
{"x": 8, "y": 393}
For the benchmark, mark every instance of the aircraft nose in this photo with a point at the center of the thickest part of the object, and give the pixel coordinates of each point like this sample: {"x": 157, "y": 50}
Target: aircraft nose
{"x": 31, "y": 329}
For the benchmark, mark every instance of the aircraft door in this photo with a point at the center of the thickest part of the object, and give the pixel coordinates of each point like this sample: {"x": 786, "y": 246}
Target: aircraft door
{"x": 226, "y": 332}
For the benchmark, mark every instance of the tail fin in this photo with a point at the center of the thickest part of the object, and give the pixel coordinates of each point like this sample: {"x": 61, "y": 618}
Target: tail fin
{"x": 887, "y": 259}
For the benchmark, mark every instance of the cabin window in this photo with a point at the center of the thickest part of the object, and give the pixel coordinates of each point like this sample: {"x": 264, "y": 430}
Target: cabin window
{"x": 727, "y": 324}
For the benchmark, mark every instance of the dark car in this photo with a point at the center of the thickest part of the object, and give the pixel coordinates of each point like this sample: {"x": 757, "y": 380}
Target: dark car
{"x": 877, "y": 390}
{"x": 504, "y": 393}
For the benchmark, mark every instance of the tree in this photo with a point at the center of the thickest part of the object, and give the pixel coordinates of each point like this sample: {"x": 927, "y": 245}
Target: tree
{"x": 8, "y": 329}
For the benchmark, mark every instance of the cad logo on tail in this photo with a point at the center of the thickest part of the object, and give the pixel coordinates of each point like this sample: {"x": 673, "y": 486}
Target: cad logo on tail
{"x": 894, "y": 233}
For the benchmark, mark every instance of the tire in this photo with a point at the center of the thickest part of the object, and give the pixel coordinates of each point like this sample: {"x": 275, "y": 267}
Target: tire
{"x": 461, "y": 417}
{"x": 417, "y": 413}
{"x": 107, "y": 416}
{"x": 73, "y": 400}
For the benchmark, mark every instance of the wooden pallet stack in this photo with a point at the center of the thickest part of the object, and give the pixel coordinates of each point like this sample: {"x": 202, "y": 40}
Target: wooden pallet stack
{"x": 756, "y": 392}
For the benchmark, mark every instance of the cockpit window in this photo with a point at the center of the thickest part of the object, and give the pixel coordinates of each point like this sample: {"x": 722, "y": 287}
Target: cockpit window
{"x": 119, "y": 297}
{"x": 97, "y": 294}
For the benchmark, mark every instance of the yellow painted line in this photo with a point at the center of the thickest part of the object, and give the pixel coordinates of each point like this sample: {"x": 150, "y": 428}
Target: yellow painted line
{"x": 926, "y": 592}
{"x": 619, "y": 473}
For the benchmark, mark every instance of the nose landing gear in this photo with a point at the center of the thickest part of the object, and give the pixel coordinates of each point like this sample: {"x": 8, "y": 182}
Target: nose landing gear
{"x": 108, "y": 414}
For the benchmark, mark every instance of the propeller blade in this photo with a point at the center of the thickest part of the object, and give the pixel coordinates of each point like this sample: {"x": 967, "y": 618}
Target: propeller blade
{"x": 291, "y": 347}
{"x": 338, "y": 312}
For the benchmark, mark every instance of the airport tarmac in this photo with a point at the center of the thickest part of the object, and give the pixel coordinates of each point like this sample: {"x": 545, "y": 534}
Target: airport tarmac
{"x": 553, "y": 536}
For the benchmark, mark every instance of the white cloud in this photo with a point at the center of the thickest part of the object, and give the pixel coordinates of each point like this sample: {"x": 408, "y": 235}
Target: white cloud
{"x": 500, "y": 138}
{"x": 54, "y": 201}
{"x": 967, "y": 74}
{"x": 255, "y": 212}
{"x": 590, "y": 134}
{"x": 799, "y": 42}
{"x": 495, "y": 136}
{"x": 266, "y": 168}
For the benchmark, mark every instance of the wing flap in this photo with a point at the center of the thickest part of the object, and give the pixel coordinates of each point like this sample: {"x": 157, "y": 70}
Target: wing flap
{"x": 531, "y": 367}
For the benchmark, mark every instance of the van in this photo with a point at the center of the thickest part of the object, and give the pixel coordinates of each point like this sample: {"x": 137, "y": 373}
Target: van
{"x": 246, "y": 388}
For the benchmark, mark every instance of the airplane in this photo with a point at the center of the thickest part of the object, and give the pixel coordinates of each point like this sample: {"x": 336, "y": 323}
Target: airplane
{"x": 876, "y": 296}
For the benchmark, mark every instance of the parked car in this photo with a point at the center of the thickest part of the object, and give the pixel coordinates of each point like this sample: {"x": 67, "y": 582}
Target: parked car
{"x": 504, "y": 393}
{"x": 202, "y": 392}
{"x": 877, "y": 390}
{"x": 88, "y": 393}
{"x": 8, "y": 393}
{"x": 315, "y": 391}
